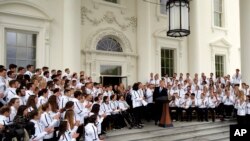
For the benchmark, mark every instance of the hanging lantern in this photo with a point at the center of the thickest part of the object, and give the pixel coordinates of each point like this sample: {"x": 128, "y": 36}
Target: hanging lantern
{"x": 178, "y": 12}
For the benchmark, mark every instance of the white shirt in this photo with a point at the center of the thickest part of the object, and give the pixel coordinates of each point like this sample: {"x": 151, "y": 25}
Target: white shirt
{"x": 136, "y": 99}
{"x": 212, "y": 102}
{"x": 48, "y": 121}
{"x": 236, "y": 80}
{"x": 193, "y": 102}
{"x": 241, "y": 109}
{"x": 64, "y": 99}
{"x": 202, "y": 103}
{"x": 41, "y": 100}
{"x": 248, "y": 108}
{"x": 184, "y": 103}
{"x": 28, "y": 93}
{"x": 149, "y": 95}
{"x": 11, "y": 93}
{"x": 4, "y": 120}
{"x": 105, "y": 108}
{"x": 180, "y": 92}
{"x": 13, "y": 113}
{"x": 39, "y": 131}
{"x": 91, "y": 133}
{"x": 99, "y": 123}
{"x": 228, "y": 100}
{"x": 174, "y": 103}
{"x": 67, "y": 136}
{"x": 123, "y": 105}
{"x": 79, "y": 110}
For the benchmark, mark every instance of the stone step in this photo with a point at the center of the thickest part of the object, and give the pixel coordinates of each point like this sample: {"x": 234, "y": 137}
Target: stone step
{"x": 208, "y": 137}
{"x": 150, "y": 126}
{"x": 186, "y": 135}
{"x": 184, "y": 130}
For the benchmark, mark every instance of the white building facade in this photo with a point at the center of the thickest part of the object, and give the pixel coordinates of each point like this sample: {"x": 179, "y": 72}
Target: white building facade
{"x": 124, "y": 39}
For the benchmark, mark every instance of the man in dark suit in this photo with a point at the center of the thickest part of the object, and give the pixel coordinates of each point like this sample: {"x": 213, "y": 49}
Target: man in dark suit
{"x": 159, "y": 92}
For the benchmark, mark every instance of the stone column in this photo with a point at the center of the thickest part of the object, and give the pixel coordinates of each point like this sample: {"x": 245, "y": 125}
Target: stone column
{"x": 193, "y": 39}
{"x": 72, "y": 35}
{"x": 144, "y": 40}
{"x": 245, "y": 42}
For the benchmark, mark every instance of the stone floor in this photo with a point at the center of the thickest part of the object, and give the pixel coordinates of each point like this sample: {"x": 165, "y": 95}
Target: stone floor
{"x": 182, "y": 131}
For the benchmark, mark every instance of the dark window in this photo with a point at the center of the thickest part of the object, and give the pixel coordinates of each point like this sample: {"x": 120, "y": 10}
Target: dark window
{"x": 109, "y": 44}
{"x": 113, "y": 1}
{"x": 219, "y": 65}
{"x": 167, "y": 62}
{"x": 111, "y": 70}
{"x": 20, "y": 47}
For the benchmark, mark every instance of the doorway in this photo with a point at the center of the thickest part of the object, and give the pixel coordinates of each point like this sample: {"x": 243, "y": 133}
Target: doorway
{"x": 113, "y": 80}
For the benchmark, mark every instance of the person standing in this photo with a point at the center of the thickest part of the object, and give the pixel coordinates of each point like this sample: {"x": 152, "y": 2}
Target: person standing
{"x": 159, "y": 92}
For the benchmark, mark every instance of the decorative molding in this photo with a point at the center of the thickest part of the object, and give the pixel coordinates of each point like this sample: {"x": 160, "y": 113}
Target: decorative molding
{"x": 28, "y": 4}
{"x": 221, "y": 42}
{"x": 99, "y": 34}
{"x": 108, "y": 53}
{"x": 220, "y": 46}
{"x": 119, "y": 5}
{"x": 108, "y": 17}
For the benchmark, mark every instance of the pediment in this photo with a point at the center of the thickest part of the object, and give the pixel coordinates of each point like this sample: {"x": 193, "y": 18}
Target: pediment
{"x": 25, "y": 9}
{"x": 222, "y": 42}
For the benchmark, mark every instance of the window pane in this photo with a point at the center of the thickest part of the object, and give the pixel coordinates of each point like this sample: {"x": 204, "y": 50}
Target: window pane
{"x": 219, "y": 66}
{"x": 109, "y": 44}
{"x": 21, "y": 39}
{"x": 111, "y": 70}
{"x": 31, "y": 53}
{"x": 167, "y": 64}
{"x": 21, "y": 53}
{"x": 21, "y": 63}
{"x": 11, "y": 52}
{"x": 218, "y": 5}
{"x": 11, "y": 61}
{"x": 11, "y": 38}
{"x": 113, "y": 1}
{"x": 31, "y": 40}
{"x": 31, "y": 62}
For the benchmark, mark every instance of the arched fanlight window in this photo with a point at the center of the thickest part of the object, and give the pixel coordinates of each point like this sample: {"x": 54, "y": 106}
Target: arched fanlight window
{"x": 109, "y": 43}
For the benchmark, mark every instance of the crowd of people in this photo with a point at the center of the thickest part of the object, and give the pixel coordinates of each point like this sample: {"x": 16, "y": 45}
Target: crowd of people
{"x": 40, "y": 104}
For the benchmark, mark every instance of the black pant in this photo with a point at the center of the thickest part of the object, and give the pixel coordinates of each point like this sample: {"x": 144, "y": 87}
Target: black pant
{"x": 149, "y": 111}
{"x": 228, "y": 110}
{"x": 158, "y": 111}
{"x": 241, "y": 120}
{"x": 126, "y": 116}
{"x": 190, "y": 113}
{"x": 137, "y": 115}
{"x": 212, "y": 111}
{"x": 106, "y": 121}
{"x": 181, "y": 113}
{"x": 220, "y": 109}
{"x": 248, "y": 119}
{"x": 203, "y": 114}
{"x": 48, "y": 139}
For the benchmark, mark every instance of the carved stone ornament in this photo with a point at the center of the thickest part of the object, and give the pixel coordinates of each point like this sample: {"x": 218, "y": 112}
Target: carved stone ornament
{"x": 99, "y": 34}
{"x": 108, "y": 17}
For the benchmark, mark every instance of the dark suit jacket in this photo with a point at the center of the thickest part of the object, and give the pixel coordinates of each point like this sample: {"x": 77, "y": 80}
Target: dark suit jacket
{"x": 158, "y": 94}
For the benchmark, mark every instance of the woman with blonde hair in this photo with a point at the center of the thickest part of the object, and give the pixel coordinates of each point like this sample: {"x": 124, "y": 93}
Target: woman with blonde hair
{"x": 64, "y": 132}
{"x": 241, "y": 109}
{"x": 72, "y": 122}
